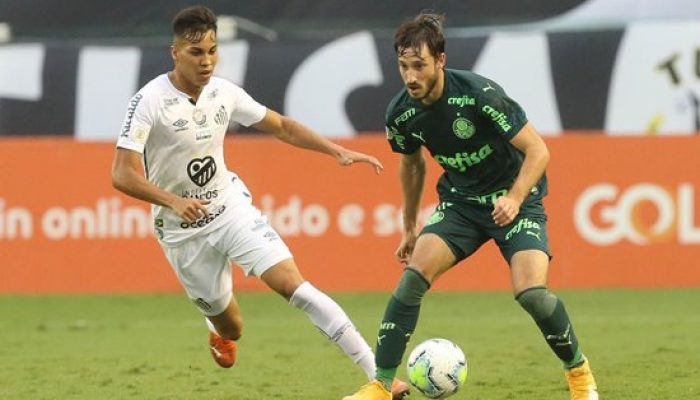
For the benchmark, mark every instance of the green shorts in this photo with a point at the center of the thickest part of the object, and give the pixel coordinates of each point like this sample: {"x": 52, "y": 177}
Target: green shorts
{"x": 465, "y": 226}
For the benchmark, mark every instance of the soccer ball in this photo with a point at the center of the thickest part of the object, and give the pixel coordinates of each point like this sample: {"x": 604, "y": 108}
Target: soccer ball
{"x": 437, "y": 368}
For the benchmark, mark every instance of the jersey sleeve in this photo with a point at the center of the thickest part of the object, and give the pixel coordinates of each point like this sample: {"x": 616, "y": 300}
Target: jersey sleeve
{"x": 139, "y": 119}
{"x": 501, "y": 112}
{"x": 246, "y": 111}
{"x": 399, "y": 140}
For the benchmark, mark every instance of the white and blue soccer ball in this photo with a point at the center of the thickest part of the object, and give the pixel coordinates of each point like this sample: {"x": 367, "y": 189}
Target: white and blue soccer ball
{"x": 437, "y": 368}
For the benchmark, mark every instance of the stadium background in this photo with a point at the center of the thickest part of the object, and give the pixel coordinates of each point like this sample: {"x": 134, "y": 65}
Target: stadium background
{"x": 613, "y": 85}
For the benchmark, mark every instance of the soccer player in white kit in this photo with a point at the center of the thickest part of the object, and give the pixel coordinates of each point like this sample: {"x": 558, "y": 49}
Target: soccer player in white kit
{"x": 203, "y": 213}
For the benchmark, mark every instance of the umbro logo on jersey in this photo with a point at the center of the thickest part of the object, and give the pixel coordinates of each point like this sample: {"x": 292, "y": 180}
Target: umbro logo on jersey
{"x": 180, "y": 125}
{"x": 201, "y": 170}
{"x": 270, "y": 235}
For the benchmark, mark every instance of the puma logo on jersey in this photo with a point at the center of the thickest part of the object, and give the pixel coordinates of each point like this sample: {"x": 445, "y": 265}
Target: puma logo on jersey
{"x": 418, "y": 136}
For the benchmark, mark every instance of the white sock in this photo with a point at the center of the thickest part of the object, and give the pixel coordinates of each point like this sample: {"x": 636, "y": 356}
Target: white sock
{"x": 327, "y": 315}
{"x": 211, "y": 326}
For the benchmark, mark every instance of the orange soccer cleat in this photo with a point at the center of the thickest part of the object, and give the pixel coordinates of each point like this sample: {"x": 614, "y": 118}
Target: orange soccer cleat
{"x": 223, "y": 350}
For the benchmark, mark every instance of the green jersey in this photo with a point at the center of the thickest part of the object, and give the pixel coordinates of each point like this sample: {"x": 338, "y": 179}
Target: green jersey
{"x": 468, "y": 132}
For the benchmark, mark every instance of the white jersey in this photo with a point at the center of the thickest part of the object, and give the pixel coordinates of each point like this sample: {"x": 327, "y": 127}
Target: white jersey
{"x": 182, "y": 147}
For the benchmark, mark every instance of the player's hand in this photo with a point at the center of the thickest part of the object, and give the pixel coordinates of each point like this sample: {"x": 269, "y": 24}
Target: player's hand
{"x": 348, "y": 157}
{"x": 505, "y": 209}
{"x": 190, "y": 210}
{"x": 408, "y": 243}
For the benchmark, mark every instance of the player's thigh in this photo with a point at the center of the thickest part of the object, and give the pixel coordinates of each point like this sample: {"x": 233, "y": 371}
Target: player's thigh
{"x": 448, "y": 238}
{"x": 528, "y": 231}
{"x": 251, "y": 242}
{"x": 204, "y": 273}
{"x": 524, "y": 244}
{"x": 528, "y": 268}
{"x": 431, "y": 256}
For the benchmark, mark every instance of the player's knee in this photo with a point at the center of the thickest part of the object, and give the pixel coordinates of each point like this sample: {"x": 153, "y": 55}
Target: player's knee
{"x": 412, "y": 286}
{"x": 287, "y": 288}
{"x": 283, "y": 278}
{"x": 426, "y": 273}
{"x": 537, "y": 301}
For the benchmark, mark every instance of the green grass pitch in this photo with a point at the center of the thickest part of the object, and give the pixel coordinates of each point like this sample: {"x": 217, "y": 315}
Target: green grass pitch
{"x": 642, "y": 345}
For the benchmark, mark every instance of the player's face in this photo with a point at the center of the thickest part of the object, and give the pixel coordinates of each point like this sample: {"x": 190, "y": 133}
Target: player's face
{"x": 195, "y": 59}
{"x": 421, "y": 72}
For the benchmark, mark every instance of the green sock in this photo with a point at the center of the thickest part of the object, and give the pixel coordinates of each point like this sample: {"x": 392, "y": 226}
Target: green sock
{"x": 551, "y": 317}
{"x": 386, "y": 376}
{"x": 394, "y": 332}
{"x": 399, "y": 322}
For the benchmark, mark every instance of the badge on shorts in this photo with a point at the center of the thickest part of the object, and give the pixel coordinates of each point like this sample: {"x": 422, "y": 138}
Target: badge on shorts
{"x": 435, "y": 218}
{"x": 203, "y": 305}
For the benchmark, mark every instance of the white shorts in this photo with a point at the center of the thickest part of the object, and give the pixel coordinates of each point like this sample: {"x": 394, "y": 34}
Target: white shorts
{"x": 203, "y": 263}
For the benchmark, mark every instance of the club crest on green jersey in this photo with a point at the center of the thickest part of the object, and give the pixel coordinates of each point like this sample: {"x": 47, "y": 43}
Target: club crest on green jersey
{"x": 463, "y": 128}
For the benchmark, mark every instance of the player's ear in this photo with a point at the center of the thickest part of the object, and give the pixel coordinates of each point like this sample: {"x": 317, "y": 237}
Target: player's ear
{"x": 173, "y": 52}
{"x": 441, "y": 59}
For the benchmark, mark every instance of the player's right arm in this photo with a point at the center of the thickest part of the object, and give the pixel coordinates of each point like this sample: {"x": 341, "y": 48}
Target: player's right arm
{"x": 128, "y": 179}
{"x": 411, "y": 171}
{"x": 127, "y": 173}
{"x": 412, "y": 176}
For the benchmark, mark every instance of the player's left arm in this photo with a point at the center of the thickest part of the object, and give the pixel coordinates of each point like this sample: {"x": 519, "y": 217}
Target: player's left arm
{"x": 293, "y": 132}
{"x": 528, "y": 141}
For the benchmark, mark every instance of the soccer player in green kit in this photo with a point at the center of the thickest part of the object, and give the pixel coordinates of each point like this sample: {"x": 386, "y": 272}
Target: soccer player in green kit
{"x": 492, "y": 188}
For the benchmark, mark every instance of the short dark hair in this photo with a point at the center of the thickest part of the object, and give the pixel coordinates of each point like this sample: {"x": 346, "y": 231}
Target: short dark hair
{"x": 192, "y": 23}
{"x": 425, "y": 28}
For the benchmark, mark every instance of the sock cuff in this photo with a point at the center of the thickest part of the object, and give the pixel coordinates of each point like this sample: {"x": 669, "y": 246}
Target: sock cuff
{"x": 411, "y": 287}
{"x": 517, "y": 296}
{"x": 210, "y": 325}
{"x": 412, "y": 269}
{"x": 302, "y": 295}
